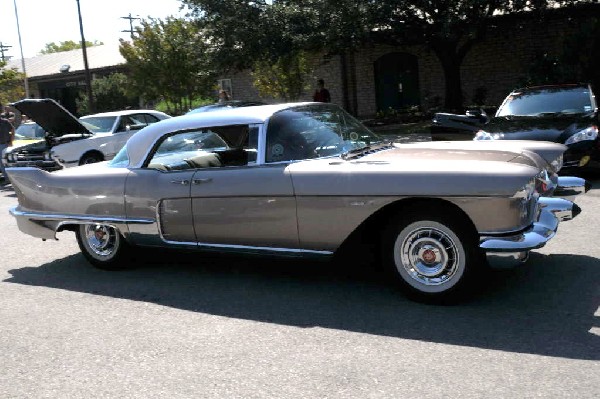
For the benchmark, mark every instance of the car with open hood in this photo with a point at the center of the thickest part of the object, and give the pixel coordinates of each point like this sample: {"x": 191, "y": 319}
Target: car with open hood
{"x": 64, "y": 144}
{"x": 566, "y": 114}
{"x": 307, "y": 179}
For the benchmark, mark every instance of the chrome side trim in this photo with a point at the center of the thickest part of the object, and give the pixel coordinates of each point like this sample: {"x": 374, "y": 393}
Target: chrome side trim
{"x": 262, "y": 250}
{"x": 77, "y": 219}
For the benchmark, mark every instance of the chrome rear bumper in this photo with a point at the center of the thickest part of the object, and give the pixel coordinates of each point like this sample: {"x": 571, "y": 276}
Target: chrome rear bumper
{"x": 510, "y": 250}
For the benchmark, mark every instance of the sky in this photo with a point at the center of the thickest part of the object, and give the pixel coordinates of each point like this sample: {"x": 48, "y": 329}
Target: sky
{"x": 46, "y": 21}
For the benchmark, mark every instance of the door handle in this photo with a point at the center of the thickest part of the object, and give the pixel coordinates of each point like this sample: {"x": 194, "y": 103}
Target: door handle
{"x": 201, "y": 181}
{"x": 182, "y": 182}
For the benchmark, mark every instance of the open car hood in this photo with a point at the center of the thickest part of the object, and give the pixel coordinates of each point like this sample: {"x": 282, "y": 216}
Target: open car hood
{"x": 51, "y": 116}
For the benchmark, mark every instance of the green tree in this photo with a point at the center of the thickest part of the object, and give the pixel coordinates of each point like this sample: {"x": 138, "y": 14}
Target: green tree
{"x": 449, "y": 28}
{"x": 66, "y": 46}
{"x": 169, "y": 60}
{"x": 286, "y": 77}
{"x": 11, "y": 84}
{"x": 110, "y": 93}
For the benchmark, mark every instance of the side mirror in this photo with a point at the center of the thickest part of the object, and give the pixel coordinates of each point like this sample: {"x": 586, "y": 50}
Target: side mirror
{"x": 479, "y": 114}
{"x": 129, "y": 128}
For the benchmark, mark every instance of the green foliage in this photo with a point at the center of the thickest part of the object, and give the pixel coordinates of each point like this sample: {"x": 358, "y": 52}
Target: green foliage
{"x": 110, "y": 94}
{"x": 170, "y": 61}
{"x": 576, "y": 62}
{"x": 287, "y": 77}
{"x": 245, "y": 31}
{"x": 66, "y": 46}
{"x": 11, "y": 84}
{"x": 166, "y": 107}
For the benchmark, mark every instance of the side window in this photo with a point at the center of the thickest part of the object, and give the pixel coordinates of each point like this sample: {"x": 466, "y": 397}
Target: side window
{"x": 132, "y": 122}
{"x": 303, "y": 133}
{"x": 220, "y": 146}
{"x": 124, "y": 121}
{"x": 148, "y": 119}
{"x": 286, "y": 137}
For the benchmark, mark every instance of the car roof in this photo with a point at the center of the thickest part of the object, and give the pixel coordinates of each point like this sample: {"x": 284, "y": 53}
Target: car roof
{"x": 139, "y": 144}
{"x": 124, "y": 112}
{"x": 553, "y": 87}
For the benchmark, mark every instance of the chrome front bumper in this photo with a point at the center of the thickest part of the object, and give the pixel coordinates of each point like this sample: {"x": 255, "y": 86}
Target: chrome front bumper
{"x": 510, "y": 250}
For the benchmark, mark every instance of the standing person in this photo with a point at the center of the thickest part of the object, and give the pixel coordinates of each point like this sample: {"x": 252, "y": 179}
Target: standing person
{"x": 7, "y": 132}
{"x": 321, "y": 94}
{"x": 223, "y": 96}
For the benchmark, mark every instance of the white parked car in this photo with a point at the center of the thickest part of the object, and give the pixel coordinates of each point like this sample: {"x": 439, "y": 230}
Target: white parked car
{"x": 111, "y": 130}
{"x": 70, "y": 141}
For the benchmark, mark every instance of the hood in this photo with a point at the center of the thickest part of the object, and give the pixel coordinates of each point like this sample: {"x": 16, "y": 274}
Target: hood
{"x": 408, "y": 170}
{"x": 51, "y": 116}
{"x": 488, "y": 150}
{"x": 556, "y": 129}
{"x": 429, "y": 154}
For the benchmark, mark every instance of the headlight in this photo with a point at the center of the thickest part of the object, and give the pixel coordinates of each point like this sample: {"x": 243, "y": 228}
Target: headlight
{"x": 483, "y": 135}
{"x": 591, "y": 133}
{"x": 10, "y": 157}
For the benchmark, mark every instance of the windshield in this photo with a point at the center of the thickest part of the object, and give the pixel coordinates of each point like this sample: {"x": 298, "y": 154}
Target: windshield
{"x": 121, "y": 160}
{"x": 99, "y": 124}
{"x": 315, "y": 131}
{"x": 548, "y": 101}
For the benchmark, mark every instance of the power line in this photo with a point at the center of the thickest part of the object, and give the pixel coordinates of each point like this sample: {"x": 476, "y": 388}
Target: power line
{"x": 131, "y": 19}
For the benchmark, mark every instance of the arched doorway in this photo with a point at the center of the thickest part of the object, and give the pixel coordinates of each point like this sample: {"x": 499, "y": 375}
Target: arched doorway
{"x": 397, "y": 81}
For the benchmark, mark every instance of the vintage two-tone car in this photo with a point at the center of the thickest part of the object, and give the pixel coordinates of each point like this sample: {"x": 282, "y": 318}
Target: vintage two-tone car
{"x": 303, "y": 179}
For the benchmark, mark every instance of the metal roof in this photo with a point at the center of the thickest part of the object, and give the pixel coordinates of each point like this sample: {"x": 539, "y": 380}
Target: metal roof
{"x": 101, "y": 56}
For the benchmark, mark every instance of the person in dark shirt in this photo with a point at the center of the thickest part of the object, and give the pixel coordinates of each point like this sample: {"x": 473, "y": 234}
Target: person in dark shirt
{"x": 7, "y": 133}
{"x": 321, "y": 94}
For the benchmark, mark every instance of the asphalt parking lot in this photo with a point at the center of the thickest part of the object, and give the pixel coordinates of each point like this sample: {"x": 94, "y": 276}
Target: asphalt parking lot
{"x": 198, "y": 325}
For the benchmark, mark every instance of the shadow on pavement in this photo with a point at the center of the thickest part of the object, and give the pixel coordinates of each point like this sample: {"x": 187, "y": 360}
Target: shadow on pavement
{"x": 546, "y": 308}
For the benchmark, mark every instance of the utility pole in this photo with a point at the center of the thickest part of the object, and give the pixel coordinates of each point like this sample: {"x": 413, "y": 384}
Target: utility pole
{"x": 131, "y": 19}
{"x": 25, "y": 80}
{"x": 88, "y": 78}
{"x": 3, "y": 49}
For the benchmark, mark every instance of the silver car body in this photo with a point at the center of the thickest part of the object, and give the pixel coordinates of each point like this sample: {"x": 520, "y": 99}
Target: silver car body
{"x": 299, "y": 207}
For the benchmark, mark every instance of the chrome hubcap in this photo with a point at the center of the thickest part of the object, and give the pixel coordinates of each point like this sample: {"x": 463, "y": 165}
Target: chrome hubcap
{"x": 101, "y": 239}
{"x": 429, "y": 256}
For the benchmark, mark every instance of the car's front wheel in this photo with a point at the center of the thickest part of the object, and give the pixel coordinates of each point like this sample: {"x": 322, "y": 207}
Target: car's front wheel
{"x": 90, "y": 158}
{"x": 103, "y": 246}
{"x": 434, "y": 257}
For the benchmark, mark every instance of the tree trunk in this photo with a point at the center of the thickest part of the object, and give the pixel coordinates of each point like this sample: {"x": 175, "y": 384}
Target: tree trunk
{"x": 451, "y": 61}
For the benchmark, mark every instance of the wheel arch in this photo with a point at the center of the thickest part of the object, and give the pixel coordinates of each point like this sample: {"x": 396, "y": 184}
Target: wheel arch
{"x": 73, "y": 226}
{"x": 371, "y": 229}
{"x": 99, "y": 153}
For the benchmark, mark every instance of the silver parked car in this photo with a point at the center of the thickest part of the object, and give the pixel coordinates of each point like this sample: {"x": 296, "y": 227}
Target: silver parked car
{"x": 301, "y": 179}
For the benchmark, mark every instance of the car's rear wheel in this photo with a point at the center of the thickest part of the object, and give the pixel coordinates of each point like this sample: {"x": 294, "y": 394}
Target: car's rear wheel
{"x": 103, "y": 246}
{"x": 90, "y": 158}
{"x": 434, "y": 257}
